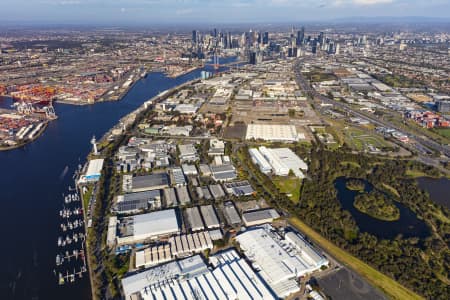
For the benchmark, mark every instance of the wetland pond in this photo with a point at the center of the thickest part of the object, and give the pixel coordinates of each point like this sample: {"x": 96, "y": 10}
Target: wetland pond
{"x": 408, "y": 225}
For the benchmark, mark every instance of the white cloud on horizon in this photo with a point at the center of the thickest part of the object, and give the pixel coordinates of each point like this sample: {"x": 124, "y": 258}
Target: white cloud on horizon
{"x": 219, "y": 10}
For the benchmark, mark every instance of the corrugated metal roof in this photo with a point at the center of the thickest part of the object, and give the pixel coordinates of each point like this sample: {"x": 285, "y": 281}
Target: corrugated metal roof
{"x": 156, "y": 223}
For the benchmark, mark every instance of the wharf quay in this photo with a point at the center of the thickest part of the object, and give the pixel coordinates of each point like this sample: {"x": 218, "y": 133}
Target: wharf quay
{"x": 29, "y": 140}
{"x": 126, "y": 121}
{"x": 183, "y": 72}
{"x": 87, "y": 205}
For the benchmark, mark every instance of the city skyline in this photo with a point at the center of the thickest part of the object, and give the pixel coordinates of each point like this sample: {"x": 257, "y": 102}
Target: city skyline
{"x": 141, "y": 12}
{"x": 183, "y": 160}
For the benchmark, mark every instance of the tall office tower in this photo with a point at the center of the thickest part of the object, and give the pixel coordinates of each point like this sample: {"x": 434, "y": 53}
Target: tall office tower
{"x": 321, "y": 36}
{"x": 331, "y": 49}
{"x": 252, "y": 58}
{"x": 194, "y": 36}
{"x": 300, "y": 36}
{"x": 248, "y": 38}
{"x": 265, "y": 39}
{"x": 314, "y": 47}
{"x": 322, "y": 41}
{"x": 230, "y": 40}
{"x": 337, "y": 49}
{"x": 254, "y": 38}
{"x": 325, "y": 44}
{"x": 215, "y": 32}
{"x": 235, "y": 43}
{"x": 293, "y": 42}
{"x": 223, "y": 42}
{"x": 259, "y": 38}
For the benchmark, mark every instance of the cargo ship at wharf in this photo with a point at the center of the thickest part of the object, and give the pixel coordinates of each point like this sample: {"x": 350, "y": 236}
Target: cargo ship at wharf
{"x": 24, "y": 125}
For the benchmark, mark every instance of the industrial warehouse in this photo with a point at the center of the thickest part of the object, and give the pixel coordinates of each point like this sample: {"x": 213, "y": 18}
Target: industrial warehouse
{"x": 276, "y": 264}
{"x": 179, "y": 246}
{"x": 93, "y": 171}
{"x": 183, "y": 210}
{"x": 278, "y": 160}
{"x": 280, "y": 261}
{"x": 190, "y": 278}
{"x": 150, "y": 182}
{"x": 273, "y": 133}
{"x": 143, "y": 227}
{"x": 187, "y": 218}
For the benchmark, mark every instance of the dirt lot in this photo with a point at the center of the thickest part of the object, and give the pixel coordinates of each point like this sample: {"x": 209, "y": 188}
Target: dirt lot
{"x": 276, "y": 112}
{"x": 213, "y": 108}
{"x": 235, "y": 132}
{"x": 251, "y": 205}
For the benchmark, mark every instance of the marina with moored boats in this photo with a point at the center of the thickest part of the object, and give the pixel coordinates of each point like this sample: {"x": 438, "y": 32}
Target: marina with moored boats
{"x": 70, "y": 259}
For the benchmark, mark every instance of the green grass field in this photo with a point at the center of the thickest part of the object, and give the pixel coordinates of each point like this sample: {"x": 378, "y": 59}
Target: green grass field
{"x": 445, "y": 132}
{"x": 360, "y": 140}
{"x": 87, "y": 196}
{"x": 289, "y": 185}
{"x": 319, "y": 77}
{"x": 415, "y": 174}
{"x": 351, "y": 163}
{"x": 390, "y": 287}
{"x": 356, "y": 138}
{"x": 391, "y": 189}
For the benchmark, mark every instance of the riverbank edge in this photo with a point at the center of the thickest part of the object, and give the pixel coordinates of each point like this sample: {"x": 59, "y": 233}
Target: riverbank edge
{"x": 76, "y": 103}
{"x": 40, "y": 132}
{"x": 142, "y": 108}
{"x": 18, "y": 146}
{"x": 182, "y": 73}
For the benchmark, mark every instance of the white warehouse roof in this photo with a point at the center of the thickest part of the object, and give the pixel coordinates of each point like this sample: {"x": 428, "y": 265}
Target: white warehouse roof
{"x": 259, "y": 160}
{"x": 284, "y": 159}
{"x": 282, "y": 133}
{"x": 280, "y": 263}
{"x": 232, "y": 278}
{"x": 95, "y": 167}
{"x": 155, "y": 224}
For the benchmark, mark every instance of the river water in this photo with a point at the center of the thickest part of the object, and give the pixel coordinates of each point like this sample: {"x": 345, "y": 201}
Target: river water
{"x": 33, "y": 179}
{"x": 438, "y": 189}
{"x": 408, "y": 225}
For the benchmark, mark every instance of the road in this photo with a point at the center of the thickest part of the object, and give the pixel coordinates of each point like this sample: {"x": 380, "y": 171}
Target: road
{"x": 180, "y": 137}
{"x": 421, "y": 143}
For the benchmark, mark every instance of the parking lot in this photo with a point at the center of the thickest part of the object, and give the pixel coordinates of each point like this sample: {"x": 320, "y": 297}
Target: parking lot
{"x": 345, "y": 284}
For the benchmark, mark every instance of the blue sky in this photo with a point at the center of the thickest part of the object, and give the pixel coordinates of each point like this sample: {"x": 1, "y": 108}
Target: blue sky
{"x": 211, "y": 11}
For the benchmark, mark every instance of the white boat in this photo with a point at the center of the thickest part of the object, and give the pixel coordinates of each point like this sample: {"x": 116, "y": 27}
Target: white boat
{"x": 59, "y": 259}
